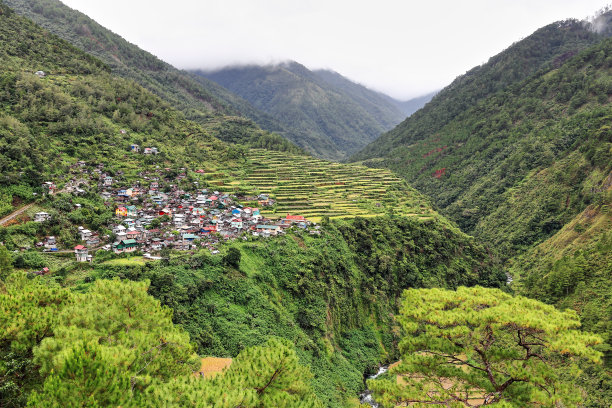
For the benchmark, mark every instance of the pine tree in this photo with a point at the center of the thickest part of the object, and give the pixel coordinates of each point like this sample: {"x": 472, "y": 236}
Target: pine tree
{"x": 6, "y": 262}
{"x": 28, "y": 312}
{"x": 116, "y": 330}
{"x": 267, "y": 376}
{"x": 478, "y": 346}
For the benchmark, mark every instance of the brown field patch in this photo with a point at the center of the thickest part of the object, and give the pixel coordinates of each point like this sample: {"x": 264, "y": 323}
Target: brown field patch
{"x": 212, "y": 366}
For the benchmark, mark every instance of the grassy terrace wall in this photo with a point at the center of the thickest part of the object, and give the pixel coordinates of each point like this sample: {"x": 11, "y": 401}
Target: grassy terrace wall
{"x": 315, "y": 188}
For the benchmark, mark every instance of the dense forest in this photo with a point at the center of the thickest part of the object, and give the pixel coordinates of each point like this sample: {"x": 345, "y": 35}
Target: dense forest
{"x": 518, "y": 153}
{"x": 325, "y": 113}
{"x": 517, "y": 158}
{"x": 516, "y": 315}
{"x": 197, "y": 98}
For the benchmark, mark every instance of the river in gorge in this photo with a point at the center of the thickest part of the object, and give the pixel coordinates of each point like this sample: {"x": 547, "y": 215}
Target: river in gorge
{"x": 366, "y": 396}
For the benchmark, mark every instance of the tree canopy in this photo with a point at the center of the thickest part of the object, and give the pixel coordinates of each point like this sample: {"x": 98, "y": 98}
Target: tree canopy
{"x": 478, "y": 346}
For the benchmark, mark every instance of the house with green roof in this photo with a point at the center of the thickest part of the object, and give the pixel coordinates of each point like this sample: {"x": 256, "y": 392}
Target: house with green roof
{"x": 125, "y": 245}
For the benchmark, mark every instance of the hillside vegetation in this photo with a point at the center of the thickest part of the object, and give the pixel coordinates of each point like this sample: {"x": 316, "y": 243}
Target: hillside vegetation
{"x": 73, "y": 337}
{"x": 519, "y": 153}
{"x": 79, "y": 111}
{"x": 548, "y": 47}
{"x": 518, "y": 165}
{"x": 571, "y": 270}
{"x": 322, "y": 112}
{"x": 199, "y": 99}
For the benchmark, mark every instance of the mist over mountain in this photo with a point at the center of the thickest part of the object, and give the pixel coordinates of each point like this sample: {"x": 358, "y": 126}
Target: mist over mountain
{"x": 412, "y": 105}
{"x": 198, "y": 98}
{"x": 376, "y": 100}
{"x": 159, "y": 247}
{"x": 322, "y": 111}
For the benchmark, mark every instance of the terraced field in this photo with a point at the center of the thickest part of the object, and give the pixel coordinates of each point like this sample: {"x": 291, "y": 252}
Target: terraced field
{"x": 303, "y": 185}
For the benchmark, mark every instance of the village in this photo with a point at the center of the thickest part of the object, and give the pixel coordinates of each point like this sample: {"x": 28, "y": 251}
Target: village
{"x": 163, "y": 216}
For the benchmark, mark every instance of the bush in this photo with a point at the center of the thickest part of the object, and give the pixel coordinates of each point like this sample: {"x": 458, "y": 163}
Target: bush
{"x": 29, "y": 260}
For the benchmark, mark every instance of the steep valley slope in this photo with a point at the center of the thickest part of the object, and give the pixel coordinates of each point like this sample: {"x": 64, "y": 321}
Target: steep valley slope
{"x": 332, "y": 295}
{"x": 324, "y": 113}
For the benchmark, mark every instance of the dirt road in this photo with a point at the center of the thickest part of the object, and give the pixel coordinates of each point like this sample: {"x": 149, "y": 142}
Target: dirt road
{"x": 15, "y": 214}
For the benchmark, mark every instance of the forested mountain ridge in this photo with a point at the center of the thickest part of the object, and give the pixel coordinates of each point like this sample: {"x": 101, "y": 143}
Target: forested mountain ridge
{"x": 321, "y": 111}
{"x": 124, "y": 58}
{"x": 548, "y": 47}
{"x": 525, "y": 163}
{"x": 471, "y": 165}
{"x": 199, "y": 99}
{"x": 316, "y": 307}
{"x": 571, "y": 270}
{"x": 376, "y": 102}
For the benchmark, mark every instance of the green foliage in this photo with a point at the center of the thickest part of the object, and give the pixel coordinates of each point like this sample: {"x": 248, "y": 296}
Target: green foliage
{"x": 121, "y": 316}
{"x": 476, "y": 344}
{"x": 572, "y": 270}
{"x": 329, "y": 117}
{"x": 264, "y": 376}
{"x": 115, "y": 346}
{"x": 29, "y": 259}
{"x": 243, "y": 132}
{"x": 112, "y": 343}
{"x": 332, "y": 295}
{"x": 232, "y": 258}
{"x": 89, "y": 376}
{"x": 197, "y": 98}
{"x": 6, "y": 262}
{"x": 503, "y": 151}
{"x": 29, "y": 311}
{"x": 76, "y": 113}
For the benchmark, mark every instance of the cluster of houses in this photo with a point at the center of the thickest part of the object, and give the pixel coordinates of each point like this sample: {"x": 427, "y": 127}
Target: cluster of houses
{"x": 160, "y": 215}
{"x": 184, "y": 221}
{"x": 134, "y": 148}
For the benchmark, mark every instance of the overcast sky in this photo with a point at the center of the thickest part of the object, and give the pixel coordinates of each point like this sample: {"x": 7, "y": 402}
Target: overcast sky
{"x": 404, "y": 48}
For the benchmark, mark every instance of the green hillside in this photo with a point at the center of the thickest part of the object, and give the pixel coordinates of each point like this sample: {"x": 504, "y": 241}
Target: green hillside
{"x": 77, "y": 111}
{"x": 522, "y": 159}
{"x": 322, "y": 112}
{"x": 324, "y": 301}
{"x": 199, "y": 99}
{"x": 546, "y": 48}
{"x": 126, "y": 59}
{"x": 518, "y": 165}
{"x": 571, "y": 270}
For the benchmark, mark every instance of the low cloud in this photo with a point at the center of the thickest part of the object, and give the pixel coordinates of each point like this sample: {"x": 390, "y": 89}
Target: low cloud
{"x": 404, "y": 49}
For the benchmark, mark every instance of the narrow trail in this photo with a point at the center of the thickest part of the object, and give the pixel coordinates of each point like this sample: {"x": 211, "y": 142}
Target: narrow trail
{"x": 15, "y": 214}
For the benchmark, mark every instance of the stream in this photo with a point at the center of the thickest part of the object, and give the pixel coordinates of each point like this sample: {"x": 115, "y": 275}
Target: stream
{"x": 366, "y": 396}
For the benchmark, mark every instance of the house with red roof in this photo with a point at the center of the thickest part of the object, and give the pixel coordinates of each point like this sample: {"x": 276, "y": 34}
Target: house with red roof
{"x": 292, "y": 219}
{"x": 82, "y": 254}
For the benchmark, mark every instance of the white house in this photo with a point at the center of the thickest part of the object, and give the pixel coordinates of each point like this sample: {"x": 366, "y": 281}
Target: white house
{"x": 41, "y": 216}
{"x": 179, "y": 220}
{"x": 82, "y": 254}
{"x": 85, "y": 234}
